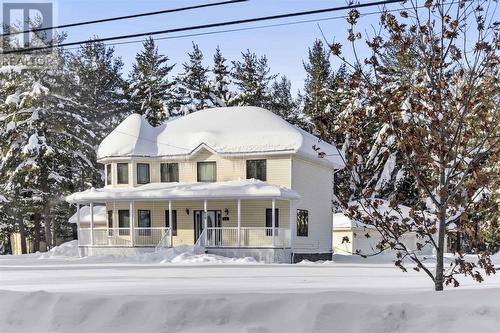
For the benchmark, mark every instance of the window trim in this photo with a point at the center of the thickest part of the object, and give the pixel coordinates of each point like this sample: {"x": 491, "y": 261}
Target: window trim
{"x": 162, "y": 174}
{"x": 137, "y": 166}
{"x": 198, "y": 171}
{"x": 174, "y": 220}
{"x": 299, "y": 230}
{"x": 122, "y": 182}
{"x": 256, "y": 173}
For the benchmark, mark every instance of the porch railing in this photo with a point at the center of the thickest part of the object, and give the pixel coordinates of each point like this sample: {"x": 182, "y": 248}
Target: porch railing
{"x": 124, "y": 237}
{"x": 248, "y": 237}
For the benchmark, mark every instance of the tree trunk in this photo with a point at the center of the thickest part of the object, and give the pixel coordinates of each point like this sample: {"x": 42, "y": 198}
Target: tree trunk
{"x": 22, "y": 235}
{"x": 36, "y": 230}
{"x": 47, "y": 229}
{"x": 439, "y": 281}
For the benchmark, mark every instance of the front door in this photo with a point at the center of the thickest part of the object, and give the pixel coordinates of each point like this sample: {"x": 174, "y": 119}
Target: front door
{"x": 214, "y": 220}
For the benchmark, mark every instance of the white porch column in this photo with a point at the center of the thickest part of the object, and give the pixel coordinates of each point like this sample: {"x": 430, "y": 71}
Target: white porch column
{"x": 205, "y": 218}
{"x": 132, "y": 222}
{"x": 273, "y": 219}
{"x": 170, "y": 222}
{"x": 239, "y": 222}
{"x": 92, "y": 224}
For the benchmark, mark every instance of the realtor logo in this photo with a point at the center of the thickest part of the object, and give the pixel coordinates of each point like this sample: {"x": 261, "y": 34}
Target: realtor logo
{"x": 19, "y": 18}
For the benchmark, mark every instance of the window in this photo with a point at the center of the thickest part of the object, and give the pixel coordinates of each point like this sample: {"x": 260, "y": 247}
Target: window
{"x": 269, "y": 220}
{"x": 142, "y": 173}
{"x": 122, "y": 173}
{"x": 256, "y": 169}
{"x": 174, "y": 221}
{"x": 169, "y": 172}
{"x": 144, "y": 222}
{"x": 207, "y": 172}
{"x": 108, "y": 174}
{"x": 124, "y": 221}
{"x": 110, "y": 219}
{"x": 302, "y": 222}
{"x": 110, "y": 223}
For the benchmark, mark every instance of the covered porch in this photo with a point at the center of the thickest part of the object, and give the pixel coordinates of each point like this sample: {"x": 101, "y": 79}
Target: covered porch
{"x": 243, "y": 214}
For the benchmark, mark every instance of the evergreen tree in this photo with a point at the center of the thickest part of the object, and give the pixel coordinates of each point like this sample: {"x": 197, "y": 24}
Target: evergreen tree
{"x": 283, "y": 103}
{"x": 220, "y": 93}
{"x": 100, "y": 86}
{"x": 193, "y": 85}
{"x": 149, "y": 90}
{"x": 44, "y": 137}
{"x": 97, "y": 89}
{"x": 251, "y": 76}
{"x": 318, "y": 78}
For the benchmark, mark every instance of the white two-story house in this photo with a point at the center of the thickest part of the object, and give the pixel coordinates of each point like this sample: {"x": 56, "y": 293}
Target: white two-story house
{"x": 238, "y": 181}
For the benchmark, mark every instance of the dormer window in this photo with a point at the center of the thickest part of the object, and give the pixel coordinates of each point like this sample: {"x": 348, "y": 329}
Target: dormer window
{"x": 143, "y": 173}
{"x": 108, "y": 174}
{"x": 122, "y": 173}
{"x": 207, "y": 172}
{"x": 169, "y": 172}
{"x": 256, "y": 169}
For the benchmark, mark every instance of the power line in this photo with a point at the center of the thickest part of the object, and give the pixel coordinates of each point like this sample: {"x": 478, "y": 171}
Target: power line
{"x": 257, "y": 27}
{"x": 173, "y": 10}
{"x": 210, "y": 25}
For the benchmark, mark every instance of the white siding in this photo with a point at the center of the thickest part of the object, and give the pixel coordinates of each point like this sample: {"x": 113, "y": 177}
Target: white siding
{"x": 314, "y": 183}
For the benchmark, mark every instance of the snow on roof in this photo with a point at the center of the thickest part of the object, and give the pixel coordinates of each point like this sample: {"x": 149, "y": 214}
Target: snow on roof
{"x": 250, "y": 188}
{"x": 227, "y": 131}
{"x": 342, "y": 221}
{"x": 99, "y": 215}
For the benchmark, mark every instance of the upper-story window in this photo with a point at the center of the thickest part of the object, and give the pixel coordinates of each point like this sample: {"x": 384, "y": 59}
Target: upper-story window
{"x": 108, "y": 174}
{"x": 122, "y": 173}
{"x": 256, "y": 169}
{"x": 207, "y": 172}
{"x": 143, "y": 173}
{"x": 169, "y": 172}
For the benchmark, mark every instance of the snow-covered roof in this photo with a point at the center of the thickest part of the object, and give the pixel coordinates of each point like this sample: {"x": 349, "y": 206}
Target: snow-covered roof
{"x": 99, "y": 215}
{"x": 226, "y": 131}
{"x": 365, "y": 208}
{"x": 250, "y": 189}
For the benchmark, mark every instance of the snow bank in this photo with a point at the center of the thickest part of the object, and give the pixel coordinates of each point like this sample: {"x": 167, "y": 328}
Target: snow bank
{"x": 185, "y": 254}
{"x": 65, "y": 250}
{"x": 457, "y": 311}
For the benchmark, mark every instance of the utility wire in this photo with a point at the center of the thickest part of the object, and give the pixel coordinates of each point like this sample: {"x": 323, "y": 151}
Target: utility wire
{"x": 173, "y": 10}
{"x": 210, "y": 25}
{"x": 253, "y": 28}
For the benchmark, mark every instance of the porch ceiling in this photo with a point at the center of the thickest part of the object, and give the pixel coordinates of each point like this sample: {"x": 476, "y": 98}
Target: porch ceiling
{"x": 243, "y": 189}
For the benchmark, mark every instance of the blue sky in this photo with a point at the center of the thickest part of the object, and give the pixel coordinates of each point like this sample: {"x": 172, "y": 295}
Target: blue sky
{"x": 285, "y": 46}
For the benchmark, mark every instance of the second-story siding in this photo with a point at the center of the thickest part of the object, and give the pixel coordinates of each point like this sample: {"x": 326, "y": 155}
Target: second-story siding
{"x": 278, "y": 168}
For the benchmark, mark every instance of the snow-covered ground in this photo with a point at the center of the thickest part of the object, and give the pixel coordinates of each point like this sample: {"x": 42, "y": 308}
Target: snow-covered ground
{"x": 183, "y": 290}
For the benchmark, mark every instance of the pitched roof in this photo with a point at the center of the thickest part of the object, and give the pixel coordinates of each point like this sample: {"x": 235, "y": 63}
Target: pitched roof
{"x": 226, "y": 131}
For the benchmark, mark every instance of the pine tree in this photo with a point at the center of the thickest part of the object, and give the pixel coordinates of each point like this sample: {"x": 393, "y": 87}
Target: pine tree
{"x": 318, "y": 78}
{"x": 101, "y": 87}
{"x": 149, "y": 90}
{"x": 251, "y": 76}
{"x": 44, "y": 137}
{"x": 97, "y": 88}
{"x": 283, "y": 103}
{"x": 193, "y": 87}
{"x": 220, "y": 93}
